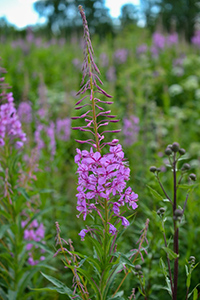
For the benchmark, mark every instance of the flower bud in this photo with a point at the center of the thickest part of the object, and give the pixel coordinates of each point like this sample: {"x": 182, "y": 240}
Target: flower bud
{"x": 169, "y": 146}
{"x": 138, "y": 267}
{"x": 193, "y": 177}
{"x": 185, "y": 167}
{"x": 182, "y": 151}
{"x": 175, "y": 147}
{"x": 178, "y": 214}
{"x": 168, "y": 151}
{"x": 192, "y": 260}
{"x": 161, "y": 211}
{"x": 153, "y": 169}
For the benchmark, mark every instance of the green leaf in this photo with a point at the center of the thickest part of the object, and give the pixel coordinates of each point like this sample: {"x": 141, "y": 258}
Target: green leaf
{"x": 171, "y": 253}
{"x": 186, "y": 270}
{"x": 195, "y": 294}
{"x": 124, "y": 259}
{"x": 155, "y": 193}
{"x": 95, "y": 263}
{"x": 46, "y": 191}
{"x": 193, "y": 290}
{"x": 23, "y": 192}
{"x": 141, "y": 292}
{"x": 12, "y": 295}
{"x": 3, "y": 230}
{"x": 42, "y": 246}
{"x": 163, "y": 267}
{"x": 3, "y": 295}
{"x": 118, "y": 296}
{"x": 61, "y": 288}
{"x": 188, "y": 280}
{"x": 87, "y": 275}
{"x": 97, "y": 246}
{"x": 5, "y": 214}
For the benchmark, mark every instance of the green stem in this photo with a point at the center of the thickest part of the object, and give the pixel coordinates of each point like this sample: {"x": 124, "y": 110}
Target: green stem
{"x": 176, "y": 232}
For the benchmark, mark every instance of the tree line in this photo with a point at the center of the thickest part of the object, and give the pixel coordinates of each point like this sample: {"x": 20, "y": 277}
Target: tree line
{"x": 63, "y": 19}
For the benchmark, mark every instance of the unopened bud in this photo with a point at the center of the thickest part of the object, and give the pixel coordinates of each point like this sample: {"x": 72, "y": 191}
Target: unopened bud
{"x": 153, "y": 169}
{"x": 178, "y": 214}
{"x": 182, "y": 151}
{"x": 161, "y": 211}
{"x": 192, "y": 260}
{"x": 169, "y": 146}
{"x": 175, "y": 147}
{"x": 168, "y": 151}
{"x": 138, "y": 267}
{"x": 193, "y": 177}
{"x": 185, "y": 167}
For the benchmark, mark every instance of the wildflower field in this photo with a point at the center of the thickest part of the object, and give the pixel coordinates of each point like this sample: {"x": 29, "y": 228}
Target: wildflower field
{"x": 100, "y": 167}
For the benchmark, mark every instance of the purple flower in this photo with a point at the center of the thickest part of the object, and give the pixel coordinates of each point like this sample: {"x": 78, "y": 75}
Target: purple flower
{"x": 103, "y": 176}
{"x": 112, "y": 229}
{"x": 172, "y": 39}
{"x": 25, "y": 112}
{"x": 158, "y": 40}
{"x": 142, "y": 49}
{"x": 10, "y": 125}
{"x": 196, "y": 39}
{"x": 82, "y": 234}
{"x": 50, "y": 131}
{"x": 125, "y": 222}
{"x": 34, "y": 232}
{"x": 63, "y": 128}
{"x": 120, "y": 56}
{"x": 104, "y": 59}
{"x": 111, "y": 74}
{"x": 130, "y": 130}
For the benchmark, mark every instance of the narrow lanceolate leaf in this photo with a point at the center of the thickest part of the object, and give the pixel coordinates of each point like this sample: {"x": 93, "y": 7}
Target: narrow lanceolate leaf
{"x": 3, "y": 295}
{"x": 60, "y": 287}
{"x": 155, "y": 193}
{"x": 3, "y": 229}
{"x": 117, "y": 296}
{"x": 171, "y": 253}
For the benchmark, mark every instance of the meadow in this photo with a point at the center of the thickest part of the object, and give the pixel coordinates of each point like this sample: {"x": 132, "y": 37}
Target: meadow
{"x": 155, "y": 85}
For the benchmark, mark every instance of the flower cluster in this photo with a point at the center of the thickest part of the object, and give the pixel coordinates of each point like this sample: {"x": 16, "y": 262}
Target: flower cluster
{"x": 34, "y": 232}
{"x": 10, "y": 126}
{"x": 103, "y": 177}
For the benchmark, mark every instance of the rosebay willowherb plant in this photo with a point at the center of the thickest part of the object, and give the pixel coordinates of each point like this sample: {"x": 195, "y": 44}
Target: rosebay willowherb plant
{"x": 20, "y": 232}
{"x": 103, "y": 197}
{"x": 175, "y": 156}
